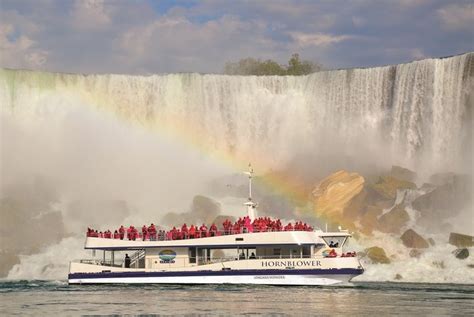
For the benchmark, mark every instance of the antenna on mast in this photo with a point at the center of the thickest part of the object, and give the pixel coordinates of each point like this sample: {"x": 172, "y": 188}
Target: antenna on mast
{"x": 251, "y": 206}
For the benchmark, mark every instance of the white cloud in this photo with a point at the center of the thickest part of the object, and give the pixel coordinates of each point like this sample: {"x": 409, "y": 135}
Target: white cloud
{"x": 417, "y": 54}
{"x": 317, "y": 39}
{"x": 20, "y": 51}
{"x": 191, "y": 46}
{"x": 457, "y": 17}
{"x": 90, "y": 14}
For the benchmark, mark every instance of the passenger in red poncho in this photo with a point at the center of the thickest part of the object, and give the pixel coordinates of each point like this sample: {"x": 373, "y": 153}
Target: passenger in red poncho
{"x": 213, "y": 230}
{"x": 152, "y": 232}
{"x": 122, "y": 232}
{"x": 185, "y": 231}
{"x": 236, "y": 228}
{"x": 203, "y": 230}
{"x": 192, "y": 232}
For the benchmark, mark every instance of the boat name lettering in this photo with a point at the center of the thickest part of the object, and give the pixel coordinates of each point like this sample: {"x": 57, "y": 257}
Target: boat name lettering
{"x": 291, "y": 263}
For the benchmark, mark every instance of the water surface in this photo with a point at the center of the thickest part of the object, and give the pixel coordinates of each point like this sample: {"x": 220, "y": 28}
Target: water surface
{"x": 58, "y": 298}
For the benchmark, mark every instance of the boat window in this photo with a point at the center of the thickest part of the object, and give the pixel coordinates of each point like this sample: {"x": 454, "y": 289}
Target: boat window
{"x": 306, "y": 251}
{"x": 276, "y": 252}
{"x": 192, "y": 255}
{"x": 335, "y": 242}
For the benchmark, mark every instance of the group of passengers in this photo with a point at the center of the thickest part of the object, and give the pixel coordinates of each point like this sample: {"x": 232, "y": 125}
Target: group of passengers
{"x": 242, "y": 225}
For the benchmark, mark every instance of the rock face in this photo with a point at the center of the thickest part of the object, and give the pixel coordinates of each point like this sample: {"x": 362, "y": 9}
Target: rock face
{"x": 411, "y": 239}
{"x": 387, "y": 186}
{"x": 369, "y": 221}
{"x": 461, "y": 240}
{"x": 461, "y": 254}
{"x": 403, "y": 173}
{"x": 335, "y": 193}
{"x": 394, "y": 220}
{"x": 452, "y": 193}
{"x": 203, "y": 210}
{"x": 377, "y": 255}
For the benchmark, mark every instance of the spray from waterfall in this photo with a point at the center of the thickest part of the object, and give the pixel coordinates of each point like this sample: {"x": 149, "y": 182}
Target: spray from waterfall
{"x": 146, "y": 145}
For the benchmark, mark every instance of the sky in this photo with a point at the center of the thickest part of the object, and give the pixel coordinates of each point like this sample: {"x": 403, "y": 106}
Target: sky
{"x": 152, "y": 36}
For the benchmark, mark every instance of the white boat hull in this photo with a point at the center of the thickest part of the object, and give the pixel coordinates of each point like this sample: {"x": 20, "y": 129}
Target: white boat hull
{"x": 274, "y": 278}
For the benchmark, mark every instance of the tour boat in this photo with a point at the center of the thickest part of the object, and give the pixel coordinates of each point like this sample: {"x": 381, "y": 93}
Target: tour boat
{"x": 293, "y": 256}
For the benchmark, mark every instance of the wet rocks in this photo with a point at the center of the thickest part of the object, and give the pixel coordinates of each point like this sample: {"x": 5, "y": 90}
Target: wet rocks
{"x": 431, "y": 242}
{"x": 387, "y": 186}
{"x": 411, "y": 239}
{"x": 452, "y": 194}
{"x": 402, "y": 173}
{"x": 369, "y": 221}
{"x": 377, "y": 255}
{"x": 335, "y": 192}
{"x": 461, "y": 240}
{"x": 415, "y": 253}
{"x": 439, "y": 264}
{"x": 394, "y": 220}
{"x": 203, "y": 210}
{"x": 461, "y": 254}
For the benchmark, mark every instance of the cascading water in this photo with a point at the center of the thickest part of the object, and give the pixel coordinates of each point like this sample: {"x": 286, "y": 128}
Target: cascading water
{"x": 418, "y": 115}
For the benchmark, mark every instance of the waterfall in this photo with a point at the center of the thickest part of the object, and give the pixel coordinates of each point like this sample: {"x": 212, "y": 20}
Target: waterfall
{"x": 81, "y": 132}
{"x": 416, "y": 114}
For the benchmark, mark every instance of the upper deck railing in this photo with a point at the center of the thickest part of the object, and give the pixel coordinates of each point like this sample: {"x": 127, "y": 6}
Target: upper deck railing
{"x": 162, "y": 235}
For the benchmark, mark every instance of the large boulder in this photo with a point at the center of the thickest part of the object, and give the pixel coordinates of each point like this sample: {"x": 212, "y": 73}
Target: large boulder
{"x": 452, "y": 194}
{"x": 335, "y": 193}
{"x": 205, "y": 208}
{"x": 461, "y": 240}
{"x": 369, "y": 220}
{"x": 394, "y": 220}
{"x": 377, "y": 255}
{"x": 411, "y": 239}
{"x": 275, "y": 206}
{"x": 387, "y": 186}
{"x": 461, "y": 254}
{"x": 402, "y": 173}
{"x": 173, "y": 219}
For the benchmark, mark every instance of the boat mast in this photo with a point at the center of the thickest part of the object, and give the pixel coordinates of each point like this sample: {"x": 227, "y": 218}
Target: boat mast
{"x": 251, "y": 206}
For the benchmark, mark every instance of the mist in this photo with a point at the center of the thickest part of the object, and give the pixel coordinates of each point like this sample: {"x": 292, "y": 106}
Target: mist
{"x": 106, "y": 150}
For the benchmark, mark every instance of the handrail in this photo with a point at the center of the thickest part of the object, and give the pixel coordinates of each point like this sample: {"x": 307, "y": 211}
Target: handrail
{"x": 162, "y": 235}
{"x": 136, "y": 257}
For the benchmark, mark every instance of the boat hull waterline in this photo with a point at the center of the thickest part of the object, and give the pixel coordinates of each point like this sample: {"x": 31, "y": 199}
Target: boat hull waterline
{"x": 271, "y": 277}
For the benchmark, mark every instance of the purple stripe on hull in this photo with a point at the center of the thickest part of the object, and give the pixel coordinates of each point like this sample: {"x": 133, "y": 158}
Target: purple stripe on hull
{"x": 215, "y": 273}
